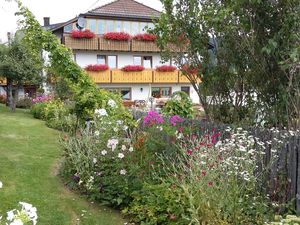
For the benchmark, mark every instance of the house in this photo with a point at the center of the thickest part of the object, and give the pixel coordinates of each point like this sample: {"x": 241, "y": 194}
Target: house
{"x": 109, "y": 47}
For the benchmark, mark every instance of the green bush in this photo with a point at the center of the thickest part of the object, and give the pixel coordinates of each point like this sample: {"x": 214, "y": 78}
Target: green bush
{"x": 24, "y": 103}
{"x": 38, "y": 110}
{"x": 179, "y": 104}
{"x": 159, "y": 204}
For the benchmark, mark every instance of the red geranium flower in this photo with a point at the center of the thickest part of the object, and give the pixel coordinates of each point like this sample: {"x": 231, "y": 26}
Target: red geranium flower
{"x": 117, "y": 36}
{"x": 210, "y": 183}
{"x": 132, "y": 68}
{"x": 96, "y": 67}
{"x": 166, "y": 68}
{"x": 145, "y": 37}
{"x": 82, "y": 34}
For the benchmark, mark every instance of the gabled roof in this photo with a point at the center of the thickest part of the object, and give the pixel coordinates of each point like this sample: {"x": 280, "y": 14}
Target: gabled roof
{"x": 125, "y": 9}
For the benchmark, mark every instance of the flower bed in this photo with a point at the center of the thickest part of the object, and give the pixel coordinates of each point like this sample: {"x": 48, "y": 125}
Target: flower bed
{"x": 96, "y": 67}
{"x": 133, "y": 68}
{"x": 145, "y": 37}
{"x": 165, "y": 68}
{"x": 117, "y": 36}
{"x": 78, "y": 34}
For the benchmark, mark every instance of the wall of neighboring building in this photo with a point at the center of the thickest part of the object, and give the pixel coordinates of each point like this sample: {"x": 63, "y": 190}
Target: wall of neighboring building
{"x": 84, "y": 58}
{"x": 143, "y": 91}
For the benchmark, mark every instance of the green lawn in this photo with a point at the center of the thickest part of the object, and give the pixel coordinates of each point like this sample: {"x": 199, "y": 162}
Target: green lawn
{"x": 29, "y": 156}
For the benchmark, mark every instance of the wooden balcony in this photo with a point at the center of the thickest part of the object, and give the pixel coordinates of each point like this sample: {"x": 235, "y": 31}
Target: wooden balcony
{"x": 81, "y": 44}
{"x": 148, "y": 76}
{"x": 101, "y": 77}
{"x": 3, "y": 81}
{"x": 165, "y": 77}
{"x": 119, "y": 76}
{"x": 110, "y": 45}
{"x": 144, "y": 46}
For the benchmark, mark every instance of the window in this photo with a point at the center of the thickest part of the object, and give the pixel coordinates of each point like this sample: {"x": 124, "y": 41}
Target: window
{"x": 101, "y": 59}
{"x": 147, "y": 62}
{"x": 126, "y": 27}
{"x": 134, "y": 28}
{"x": 137, "y": 60}
{"x": 101, "y": 26}
{"x": 158, "y": 92}
{"x": 143, "y": 27}
{"x": 186, "y": 90}
{"x": 110, "y": 26}
{"x": 118, "y": 26}
{"x": 68, "y": 28}
{"x": 92, "y": 25}
{"x": 112, "y": 61}
{"x": 150, "y": 26}
{"x": 124, "y": 92}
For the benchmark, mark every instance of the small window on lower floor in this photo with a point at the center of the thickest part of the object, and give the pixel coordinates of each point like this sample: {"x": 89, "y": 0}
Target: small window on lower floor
{"x": 159, "y": 92}
{"x": 186, "y": 90}
{"x": 124, "y": 92}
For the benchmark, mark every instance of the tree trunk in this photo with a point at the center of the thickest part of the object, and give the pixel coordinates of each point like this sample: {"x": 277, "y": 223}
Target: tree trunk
{"x": 10, "y": 98}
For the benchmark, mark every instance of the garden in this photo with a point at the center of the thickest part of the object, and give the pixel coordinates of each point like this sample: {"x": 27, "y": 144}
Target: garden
{"x": 239, "y": 166}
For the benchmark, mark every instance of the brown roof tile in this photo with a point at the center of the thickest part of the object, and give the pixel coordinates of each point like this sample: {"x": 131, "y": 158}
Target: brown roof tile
{"x": 127, "y": 9}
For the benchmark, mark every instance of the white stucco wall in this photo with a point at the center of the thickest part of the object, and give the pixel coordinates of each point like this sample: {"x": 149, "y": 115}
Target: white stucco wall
{"x": 143, "y": 91}
{"x": 84, "y": 58}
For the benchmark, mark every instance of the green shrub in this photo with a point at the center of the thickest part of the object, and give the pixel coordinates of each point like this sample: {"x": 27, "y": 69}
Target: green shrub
{"x": 179, "y": 104}
{"x": 159, "y": 204}
{"x": 24, "y": 103}
{"x": 38, "y": 110}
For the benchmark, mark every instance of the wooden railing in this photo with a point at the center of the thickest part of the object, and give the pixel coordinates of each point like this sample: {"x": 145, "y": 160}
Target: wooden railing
{"x": 81, "y": 44}
{"x": 143, "y": 46}
{"x": 109, "y": 45}
{"x": 3, "y": 81}
{"x": 148, "y": 76}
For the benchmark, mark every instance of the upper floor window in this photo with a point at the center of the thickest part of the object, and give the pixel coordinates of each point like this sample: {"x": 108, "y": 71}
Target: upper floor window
{"x": 110, "y": 27}
{"x": 143, "y": 27}
{"x": 68, "y": 28}
{"x": 101, "y": 26}
{"x": 145, "y": 61}
{"x": 137, "y": 60}
{"x": 92, "y": 25}
{"x": 127, "y": 27}
{"x": 135, "y": 28}
{"x": 118, "y": 26}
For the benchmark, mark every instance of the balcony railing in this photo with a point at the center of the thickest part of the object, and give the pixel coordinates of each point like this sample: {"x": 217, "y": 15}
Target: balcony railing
{"x": 148, "y": 76}
{"x": 143, "y": 46}
{"x": 3, "y": 81}
{"x": 81, "y": 44}
{"x": 101, "y": 44}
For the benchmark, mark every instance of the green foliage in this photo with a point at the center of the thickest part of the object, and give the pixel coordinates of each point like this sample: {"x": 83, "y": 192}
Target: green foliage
{"x": 289, "y": 220}
{"x": 179, "y": 104}
{"x": 85, "y": 93}
{"x": 251, "y": 63}
{"x": 159, "y": 204}
{"x": 38, "y": 110}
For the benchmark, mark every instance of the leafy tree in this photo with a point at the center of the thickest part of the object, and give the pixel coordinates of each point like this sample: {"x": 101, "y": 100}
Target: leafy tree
{"x": 238, "y": 49}
{"x": 19, "y": 65}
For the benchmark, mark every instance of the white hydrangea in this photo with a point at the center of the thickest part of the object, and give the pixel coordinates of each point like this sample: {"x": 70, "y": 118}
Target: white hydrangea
{"x": 112, "y": 103}
{"x": 123, "y": 172}
{"x": 101, "y": 112}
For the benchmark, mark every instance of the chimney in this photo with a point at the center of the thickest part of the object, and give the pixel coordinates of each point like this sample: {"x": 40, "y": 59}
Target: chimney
{"x": 46, "y": 21}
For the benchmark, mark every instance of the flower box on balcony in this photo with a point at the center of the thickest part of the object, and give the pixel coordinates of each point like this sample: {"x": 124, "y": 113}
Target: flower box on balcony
{"x": 133, "y": 68}
{"x": 145, "y": 37}
{"x": 96, "y": 67}
{"x": 78, "y": 34}
{"x": 165, "y": 68}
{"x": 117, "y": 36}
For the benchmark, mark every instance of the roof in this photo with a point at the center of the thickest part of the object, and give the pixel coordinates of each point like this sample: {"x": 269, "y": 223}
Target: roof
{"x": 125, "y": 9}
{"x": 54, "y": 26}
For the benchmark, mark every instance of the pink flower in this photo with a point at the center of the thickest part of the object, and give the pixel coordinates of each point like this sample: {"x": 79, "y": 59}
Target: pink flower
{"x": 176, "y": 119}
{"x": 153, "y": 118}
{"x": 190, "y": 152}
{"x": 210, "y": 183}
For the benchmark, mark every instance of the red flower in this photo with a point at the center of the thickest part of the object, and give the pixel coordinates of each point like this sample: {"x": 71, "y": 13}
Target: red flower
{"x": 166, "y": 68}
{"x": 210, "y": 183}
{"x": 190, "y": 152}
{"x": 82, "y": 34}
{"x": 189, "y": 69}
{"x": 96, "y": 67}
{"x": 117, "y": 36}
{"x": 133, "y": 68}
{"x": 203, "y": 173}
{"x": 145, "y": 37}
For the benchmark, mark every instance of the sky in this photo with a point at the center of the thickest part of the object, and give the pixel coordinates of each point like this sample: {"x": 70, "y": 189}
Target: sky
{"x": 57, "y": 10}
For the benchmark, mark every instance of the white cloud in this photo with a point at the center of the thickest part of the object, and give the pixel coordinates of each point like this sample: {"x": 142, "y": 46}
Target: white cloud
{"x": 57, "y": 10}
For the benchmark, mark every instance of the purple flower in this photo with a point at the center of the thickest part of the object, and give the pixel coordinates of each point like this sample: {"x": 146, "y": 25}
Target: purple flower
{"x": 153, "y": 118}
{"x": 176, "y": 119}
